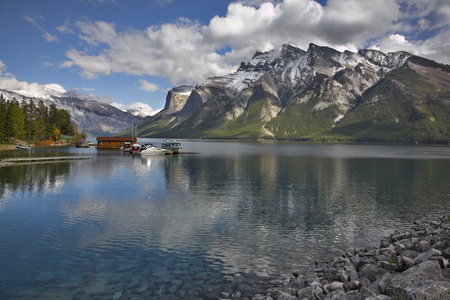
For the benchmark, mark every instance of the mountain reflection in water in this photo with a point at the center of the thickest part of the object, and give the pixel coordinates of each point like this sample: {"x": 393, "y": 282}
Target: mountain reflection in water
{"x": 123, "y": 223}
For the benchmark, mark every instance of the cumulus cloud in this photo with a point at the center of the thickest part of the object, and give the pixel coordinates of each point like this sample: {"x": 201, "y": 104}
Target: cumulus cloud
{"x": 175, "y": 51}
{"x": 147, "y": 86}
{"x": 30, "y": 89}
{"x": 9, "y": 82}
{"x": 45, "y": 91}
{"x": 187, "y": 52}
{"x": 416, "y": 20}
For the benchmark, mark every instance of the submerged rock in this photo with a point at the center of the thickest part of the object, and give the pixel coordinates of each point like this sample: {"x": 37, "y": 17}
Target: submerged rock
{"x": 45, "y": 276}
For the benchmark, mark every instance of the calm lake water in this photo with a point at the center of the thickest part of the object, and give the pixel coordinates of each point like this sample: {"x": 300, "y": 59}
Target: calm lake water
{"x": 221, "y": 217}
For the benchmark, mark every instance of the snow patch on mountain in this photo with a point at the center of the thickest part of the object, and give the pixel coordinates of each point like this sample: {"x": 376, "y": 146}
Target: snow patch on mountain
{"x": 247, "y": 74}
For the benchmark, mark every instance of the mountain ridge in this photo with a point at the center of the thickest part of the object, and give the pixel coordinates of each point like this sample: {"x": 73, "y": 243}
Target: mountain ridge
{"x": 95, "y": 118}
{"x": 290, "y": 93}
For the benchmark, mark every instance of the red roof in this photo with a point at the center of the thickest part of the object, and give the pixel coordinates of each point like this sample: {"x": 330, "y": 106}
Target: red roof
{"x": 116, "y": 139}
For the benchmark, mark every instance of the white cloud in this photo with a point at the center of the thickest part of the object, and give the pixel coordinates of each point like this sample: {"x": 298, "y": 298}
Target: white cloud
{"x": 147, "y": 86}
{"x": 87, "y": 89}
{"x": 96, "y": 32}
{"x": 174, "y": 51}
{"x": 31, "y": 89}
{"x": 91, "y": 66}
{"x": 45, "y": 91}
{"x": 187, "y": 52}
{"x": 31, "y": 18}
{"x": 2, "y": 67}
{"x": 436, "y": 48}
{"x": 9, "y": 82}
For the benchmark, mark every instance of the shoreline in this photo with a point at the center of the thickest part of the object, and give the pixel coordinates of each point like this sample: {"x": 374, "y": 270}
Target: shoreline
{"x": 8, "y": 147}
{"x": 409, "y": 264}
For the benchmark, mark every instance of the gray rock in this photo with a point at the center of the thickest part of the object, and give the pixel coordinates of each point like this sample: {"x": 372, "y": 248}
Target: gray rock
{"x": 117, "y": 295}
{"x": 428, "y": 289}
{"x": 446, "y": 253}
{"x": 407, "y": 262}
{"x": 388, "y": 266}
{"x": 352, "y": 285}
{"x": 305, "y": 293}
{"x": 372, "y": 272}
{"x": 336, "y": 295}
{"x": 333, "y": 286}
{"x": 427, "y": 255}
{"x": 423, "y": 246}
{"x": 379, "y": 297}
{"x": 393, "y": 284}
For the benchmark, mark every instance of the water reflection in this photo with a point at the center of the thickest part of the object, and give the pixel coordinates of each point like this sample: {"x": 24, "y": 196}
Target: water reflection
{"x": 262, "y": 209}
{"x": 38, "y": 178}
{"x": 330, "y": 203}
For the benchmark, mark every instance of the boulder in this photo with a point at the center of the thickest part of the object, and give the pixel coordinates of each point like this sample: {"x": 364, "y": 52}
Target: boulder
{"x": 394, "y": 284}
{"x": 428, "y": 289}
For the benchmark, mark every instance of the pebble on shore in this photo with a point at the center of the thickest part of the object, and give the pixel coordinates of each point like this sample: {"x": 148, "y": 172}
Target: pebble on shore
{"x": 409, "y": 264}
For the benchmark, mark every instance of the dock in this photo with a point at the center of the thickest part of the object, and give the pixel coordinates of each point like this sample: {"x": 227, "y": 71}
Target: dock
{"x": 42, "y": 159}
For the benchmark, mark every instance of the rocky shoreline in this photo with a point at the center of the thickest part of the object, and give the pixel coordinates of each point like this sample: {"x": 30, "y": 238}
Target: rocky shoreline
{"x": 409, "y": 264}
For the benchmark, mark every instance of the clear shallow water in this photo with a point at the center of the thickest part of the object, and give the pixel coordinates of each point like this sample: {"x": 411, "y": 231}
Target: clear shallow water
{"x": 220, "y": 217}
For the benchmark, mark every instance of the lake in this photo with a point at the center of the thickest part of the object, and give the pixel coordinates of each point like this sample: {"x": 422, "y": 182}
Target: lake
{"x": 220, "y": 218}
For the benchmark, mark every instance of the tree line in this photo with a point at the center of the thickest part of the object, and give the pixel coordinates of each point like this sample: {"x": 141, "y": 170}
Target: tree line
{"x": 26, "y": 120}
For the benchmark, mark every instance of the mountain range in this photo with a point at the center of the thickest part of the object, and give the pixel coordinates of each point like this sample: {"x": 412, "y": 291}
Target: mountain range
{"x": 318, "y": 94}
{"x": 95, "y": 118}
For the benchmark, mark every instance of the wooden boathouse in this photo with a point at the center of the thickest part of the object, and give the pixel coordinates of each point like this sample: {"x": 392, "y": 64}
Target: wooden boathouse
{"x": 113, "y": 142}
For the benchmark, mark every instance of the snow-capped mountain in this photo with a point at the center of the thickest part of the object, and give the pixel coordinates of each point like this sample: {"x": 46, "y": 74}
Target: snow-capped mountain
{"x": 95, "y": 118}
{"x": 320, "y": 93}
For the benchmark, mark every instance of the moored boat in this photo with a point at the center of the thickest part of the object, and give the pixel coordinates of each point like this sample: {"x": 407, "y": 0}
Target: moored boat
{"x": 23, "y": 147}
{"x": 135, "y": 148}
{"x": 82, "y": 145}
{"x": 149, "y": 149}
{"x": 172, "y": 145}
{"x": 126, "y": 146}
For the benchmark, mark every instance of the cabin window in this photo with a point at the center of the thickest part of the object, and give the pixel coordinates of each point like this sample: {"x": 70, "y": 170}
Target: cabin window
{"x": 109, "y": 143}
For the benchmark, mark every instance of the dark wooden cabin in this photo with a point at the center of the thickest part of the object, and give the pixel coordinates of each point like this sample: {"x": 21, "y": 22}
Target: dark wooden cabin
{"x": 113, "y": 142}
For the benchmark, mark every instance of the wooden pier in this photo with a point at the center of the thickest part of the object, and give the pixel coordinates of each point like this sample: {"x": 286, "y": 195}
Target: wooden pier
{"x": 42, "y": 159}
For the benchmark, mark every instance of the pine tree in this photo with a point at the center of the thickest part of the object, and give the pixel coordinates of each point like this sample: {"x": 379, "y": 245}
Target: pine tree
{"x": 28, "y": 110}
{"x": 3, "y": 119}
{"x": 16, "y": 120}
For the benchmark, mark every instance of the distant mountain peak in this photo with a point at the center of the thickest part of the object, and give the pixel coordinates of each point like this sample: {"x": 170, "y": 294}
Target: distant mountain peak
{"x": 95, "y": 118}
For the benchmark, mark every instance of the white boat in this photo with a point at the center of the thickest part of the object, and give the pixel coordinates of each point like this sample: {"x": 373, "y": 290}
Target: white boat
{"x": 149, "y": 149}
{"x": 172, "y": 145}
{"x": 23, "y": 147}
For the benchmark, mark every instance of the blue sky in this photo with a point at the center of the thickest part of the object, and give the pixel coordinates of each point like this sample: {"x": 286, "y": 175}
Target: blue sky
{"x": 131, "y": 53}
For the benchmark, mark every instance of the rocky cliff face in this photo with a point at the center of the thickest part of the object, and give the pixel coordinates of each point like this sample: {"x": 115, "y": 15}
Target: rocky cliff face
{"x": 291, "y": 93}
{"x": 176, "y": 98}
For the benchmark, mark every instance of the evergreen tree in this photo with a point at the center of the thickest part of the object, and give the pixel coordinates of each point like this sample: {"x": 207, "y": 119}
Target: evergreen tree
{"x": 43, "y": 111}
{"x": 3, "y": 119}
{"x": 29, "y": 114}
{"x": 33, "y": 122}
{"x": 16, "y": 120}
